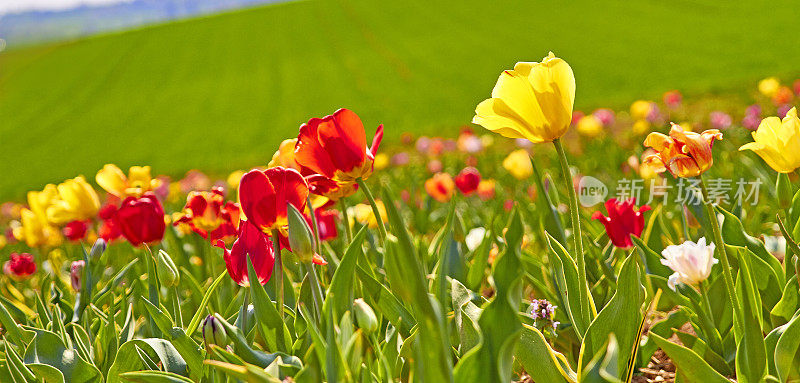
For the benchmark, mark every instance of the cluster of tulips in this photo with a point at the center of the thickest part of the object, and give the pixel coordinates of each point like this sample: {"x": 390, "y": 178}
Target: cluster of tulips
{"x": 460, "y": 268}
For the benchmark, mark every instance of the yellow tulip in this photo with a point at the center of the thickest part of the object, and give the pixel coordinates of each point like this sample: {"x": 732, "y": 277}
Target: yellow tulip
{"x": 590, "y": 126}
{"x": 641, "y": 109}
{"x": 363, "y": 214}
{"x": 113, "y": 180}
{"x": 39, "y": 201}
{"x": 381, "y": 161}
{"x": 284, "y": 156}
{"x": 234, "y": 178}
{"x": 518, "y": 163}
{"x": 532, "y": 101}
{"x": 769, "y": 86}
{"x": 778, "y": 142}
{"x": 36, "y": 232}
{"x": 77, "y": 200}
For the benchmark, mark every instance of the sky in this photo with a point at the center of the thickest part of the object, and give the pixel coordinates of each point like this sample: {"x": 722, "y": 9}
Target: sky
{"x": 13, "y": 6}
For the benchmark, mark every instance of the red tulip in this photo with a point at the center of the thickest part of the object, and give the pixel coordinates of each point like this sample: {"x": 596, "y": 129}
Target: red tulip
{"x": 75, "y": 230}
{"x": 209, "y": 215}
{"x": 141, "y": 220}
{"x": 263, "y": 196}
{"x": 255, "y": 244}
{"x": 109, "y": 230}
{"x": 326, "y": 223}
{"x": 20, "y": 267}
{"x": 336, "y": 147}
{"x": 622, "y": 221}
{"x": 467, "y": 180}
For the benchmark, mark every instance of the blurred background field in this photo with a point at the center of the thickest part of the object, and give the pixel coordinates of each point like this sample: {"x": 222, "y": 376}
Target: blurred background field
{"x": 218, "y": 93}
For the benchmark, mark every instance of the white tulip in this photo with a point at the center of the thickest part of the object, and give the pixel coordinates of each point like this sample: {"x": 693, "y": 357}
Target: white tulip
{"x": 690, "y": 261}
{"x": 474, "y": 238}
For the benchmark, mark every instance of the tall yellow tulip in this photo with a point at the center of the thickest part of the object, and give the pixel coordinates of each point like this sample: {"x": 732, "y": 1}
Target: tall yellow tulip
{"x": 77, "y": 200}
{"x": 532, "y": 101}
{"x": 518, "y": 163}
{"x": 778, "y": 142}
{"x": 113, "y": 180}
{"x": 35, "y": 230}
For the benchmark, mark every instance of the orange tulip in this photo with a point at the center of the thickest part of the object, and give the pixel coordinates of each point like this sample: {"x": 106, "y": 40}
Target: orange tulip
{"x": 440, "y": 187}
{"x": 682, "y": 153}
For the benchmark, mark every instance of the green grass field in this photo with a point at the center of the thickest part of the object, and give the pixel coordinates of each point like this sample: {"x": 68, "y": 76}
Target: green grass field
{"x": 219, "y": 93}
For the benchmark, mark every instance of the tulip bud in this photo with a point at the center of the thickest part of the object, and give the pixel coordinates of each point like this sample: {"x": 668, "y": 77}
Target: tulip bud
{"x": 76, "y": 274}
{"x": 98, "y": 248}
{"x": 301, "y": 238}
{"x": 214, "y": 332}
{"x": 167, "y": 271}
{"x": 784, "y": 189}
{"x": 365, "y": 317}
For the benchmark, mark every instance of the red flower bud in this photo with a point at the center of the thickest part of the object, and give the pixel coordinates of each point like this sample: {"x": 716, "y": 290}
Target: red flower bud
{"x": 141, "y": 220}
{"x": 75, "y": 230}
{"x": 622, "y": 221}
{"x": 467, "y": 180}
{"x": 21, "y": 266}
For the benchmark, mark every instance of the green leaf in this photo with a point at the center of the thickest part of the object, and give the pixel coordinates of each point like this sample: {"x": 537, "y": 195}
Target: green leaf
{"x": 186, "y": 346}
{"x": 786, "y": 349}
{"x": 382, "y": 299}
{"x": 622, "y": 317}
{"x": 48, "y": 374}
{"x": 734, "y": 234}
{"x": 788, "y": 305}
{"x": 407, "y": 279}
{"x": 153, "y": 377}
{"x": 340, "y": 291}
{"x": 465, "y": 314}
{"x": 479, "y": 261}
{"x": 751, "y": 353}
{"x": 246, "y": 373}
{"x": 540, "y": 361}
{"x": 129, "y": 358}
{"x": 491, "y": 360}
{"x": 269, "y": 321}
{"x": 198, "y": 316}
{"x": 566, "y": 274}
{"x": 17, "y": 334}
{"x": 48, "y": 348}
{"x": 691, "y": 367}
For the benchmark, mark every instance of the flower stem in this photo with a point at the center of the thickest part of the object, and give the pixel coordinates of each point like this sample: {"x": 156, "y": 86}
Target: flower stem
{"x": 587, "y": 306}
{"x": 314, "y": 226}
{"x": 348, "y": 231}
{"x": 152, "y": 286}
{"x": 176, "y": 302}
{"x": 714, "y": 339}
{"x": 277, "y": 270}
{"x": 722, "y": 255}
{"x": 315, "y": 291}
{"x": 381, "y": 227}
{"x": 243, "y": 310}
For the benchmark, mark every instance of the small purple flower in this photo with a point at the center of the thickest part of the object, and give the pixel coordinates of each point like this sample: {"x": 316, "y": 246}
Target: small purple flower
{"x": 753, "y": 110}
{"x": 542, "y": 309}
{"x": 751, "y": 121}
{"x": 720, "y": 120}
{"x": 423, "y": 143}
{"x": 400, "y": 159}
{"x": 655, "y": 114}
{"x": 606, "y": 116}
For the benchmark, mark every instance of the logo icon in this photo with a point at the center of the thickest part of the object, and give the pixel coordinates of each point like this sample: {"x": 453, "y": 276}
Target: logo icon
{"x": 591, "y": 191}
